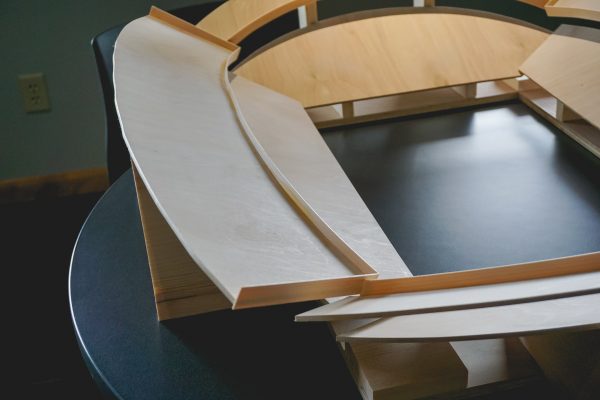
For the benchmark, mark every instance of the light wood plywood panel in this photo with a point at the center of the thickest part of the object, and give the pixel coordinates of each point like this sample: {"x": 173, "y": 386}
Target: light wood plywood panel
{"x": 584, "y": 9}
{"x": 236, "y": 19}
{"x": 378, "y": 55}
{"x": 192, "y": 156}
{"x": 567, "y": 65}
{"x": 298, "y": 156}
{"x": 569, "y": 313}
{"x": 452, "y": 299}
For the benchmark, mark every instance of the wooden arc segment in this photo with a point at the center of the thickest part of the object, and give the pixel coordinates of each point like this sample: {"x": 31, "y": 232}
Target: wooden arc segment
{"x": 565, "y": 314}
{"x": 452, "y": 299}
{"x": 206, "y": 181}
{"x": 367, "y": 55}
{"x": 484, "y": 276}
{"x": 584, "y": 9}
{"x": 235, "y": 19}
{"x": 575, "y": 82}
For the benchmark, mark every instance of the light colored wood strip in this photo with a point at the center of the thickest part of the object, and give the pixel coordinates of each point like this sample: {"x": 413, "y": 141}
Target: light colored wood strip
{"x": 234, "y": 20}
{"x": 202, "y": 174}
{"x": 455, "y": 299}
{"x": 575, "y": 82}
{"x": 185, "y": 26}
{"x": 297, "y": 156}
{"x": 584, "y": 9}
{"x": 569, "y": 313}
{"x": 93, "y": 180}
{"x": 329, "y": 65}
{"x": 312, "y": 13}
{"x": 564, "y": 113}
{"x": 484, "y": 276}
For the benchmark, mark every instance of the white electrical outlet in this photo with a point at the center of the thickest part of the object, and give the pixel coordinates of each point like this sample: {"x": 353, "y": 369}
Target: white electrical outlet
{"x": 35, "y": 92}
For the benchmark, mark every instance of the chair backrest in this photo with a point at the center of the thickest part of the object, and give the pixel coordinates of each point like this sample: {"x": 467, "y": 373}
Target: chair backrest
{"x": 117, "y": 156}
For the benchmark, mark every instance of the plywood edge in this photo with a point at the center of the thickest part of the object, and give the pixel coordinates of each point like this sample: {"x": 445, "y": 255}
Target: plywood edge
{"x": 589, "y": 10}
{"x": 257, "y": 296}
{"x": 455, "y": 299}
{"x": 569, "y": 314}
{"x": 509, "y": 273}
{"x": 188, "y": 28}
{"x": 535, "y": 3}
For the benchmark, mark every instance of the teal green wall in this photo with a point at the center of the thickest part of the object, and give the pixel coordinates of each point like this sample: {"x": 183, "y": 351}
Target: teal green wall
{"x": 53, "y": 37}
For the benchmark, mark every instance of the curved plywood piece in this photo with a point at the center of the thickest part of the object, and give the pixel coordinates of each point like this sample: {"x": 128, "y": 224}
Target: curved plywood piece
{"x": 298, "y": 157}
{"x": 569, "y": 313}
{"x": 189, "y": 148}
{"x": 379, "y": 54}
{"x": 485, "y": 276}
{"x": 566, "y": 65}
{"x": 236, "y": 19}
{"x": 584, "y": 9}
{"x": 354, "y": 307}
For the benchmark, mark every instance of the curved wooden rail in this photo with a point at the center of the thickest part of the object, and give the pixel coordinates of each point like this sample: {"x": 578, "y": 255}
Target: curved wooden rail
{"x": 236, "y": 19}
{"x": 374, "y": 54}
{"x": 569, "y": 313}
{"x": 584, "y": 9}
{"x": 356, "y": 307}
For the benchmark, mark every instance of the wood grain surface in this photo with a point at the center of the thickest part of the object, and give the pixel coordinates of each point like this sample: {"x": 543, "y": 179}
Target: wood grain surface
{"x": 409, "y": 51}
{"x": 192, "y": 156}
{"x": 566, "y": 65}
{"x": 584, "y": 9}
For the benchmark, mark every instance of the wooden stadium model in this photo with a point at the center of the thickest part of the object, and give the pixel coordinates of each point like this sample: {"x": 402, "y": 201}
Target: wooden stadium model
{"x": 243, "y": 205}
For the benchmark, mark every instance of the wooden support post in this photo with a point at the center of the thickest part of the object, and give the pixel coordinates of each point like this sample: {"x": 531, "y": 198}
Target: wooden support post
{"x": 348, "y": 110}
{"x": 312, "y": 13}
{"x": 468, "y": 91}
{"x": 424, "y": 3}
{"x": 180, "y": 287}
{"x": 564, "y": 113}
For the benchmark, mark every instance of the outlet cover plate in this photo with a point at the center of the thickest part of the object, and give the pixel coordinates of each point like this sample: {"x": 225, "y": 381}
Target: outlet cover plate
{"x": 34, "y": 92}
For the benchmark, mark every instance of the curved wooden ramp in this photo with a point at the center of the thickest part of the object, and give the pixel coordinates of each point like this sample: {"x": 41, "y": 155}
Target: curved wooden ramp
{"x": 236, "y": 19}
{"x": 566, "y": 65}
{"x": 190, "y": 151}
{"x": 570, "y": 313}
{"x": 376, "y": 54}
{"x": 584, "y": 9}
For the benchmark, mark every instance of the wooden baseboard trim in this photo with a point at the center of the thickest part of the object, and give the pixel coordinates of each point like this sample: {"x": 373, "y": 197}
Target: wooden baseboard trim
{"x": 70, "y": 183}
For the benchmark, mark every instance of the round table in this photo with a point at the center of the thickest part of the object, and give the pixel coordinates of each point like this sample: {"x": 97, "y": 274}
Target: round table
{"x": 259, "y": 353}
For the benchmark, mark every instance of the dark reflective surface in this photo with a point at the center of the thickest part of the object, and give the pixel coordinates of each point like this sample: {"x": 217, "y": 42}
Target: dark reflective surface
{"x": 476, "y": 188}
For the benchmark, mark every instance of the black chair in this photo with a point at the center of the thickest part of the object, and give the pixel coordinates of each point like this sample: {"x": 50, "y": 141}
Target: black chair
{"x": 117, "y": 156}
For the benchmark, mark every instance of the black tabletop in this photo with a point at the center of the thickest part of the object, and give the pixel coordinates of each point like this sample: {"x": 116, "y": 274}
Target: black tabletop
{"x": 454, "y": 190}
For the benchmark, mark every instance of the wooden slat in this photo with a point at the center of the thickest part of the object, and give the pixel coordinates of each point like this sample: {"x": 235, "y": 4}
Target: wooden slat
{"x": 566, "y": 65}
{"x": 453, "y": 299}
{"x": 485, "y": 276}
{"x": 298, "y": 157}
{"x": 210, "y": 187}
{"x": 584, "y": 9}
{"x": 569, "y": 313}
{"x": 235, "y": 19}
{"x": 379, "y": 55}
